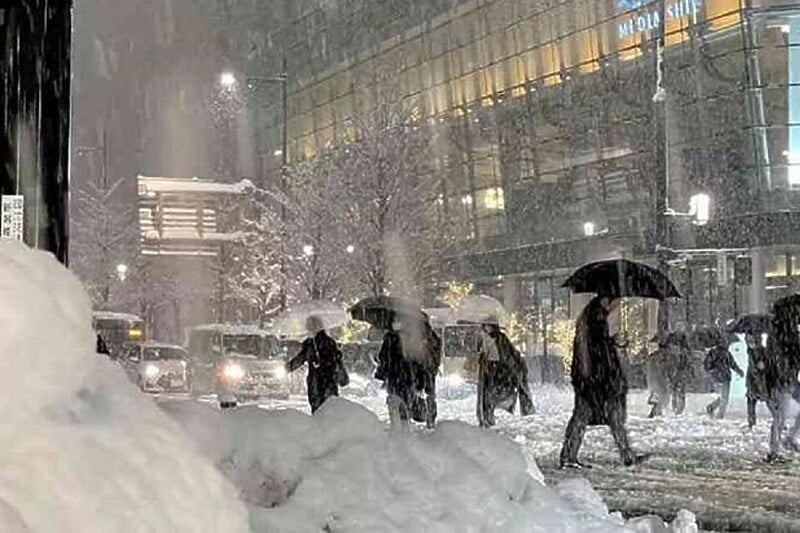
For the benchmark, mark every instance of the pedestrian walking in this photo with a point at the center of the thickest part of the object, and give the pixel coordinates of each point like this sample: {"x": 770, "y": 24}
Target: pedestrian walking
{"x": 756, "y": 380}
{"x": 719, "y": 364}
{"x": 782, "y": 365}
{"x": 679, "y": 368}
{"x": 658, "y": 381}
{"x": 599, "y": 385}
{"x": 326, "y": 370}
{"x": 399, "y": 375}
{"x": 502, "y": 375}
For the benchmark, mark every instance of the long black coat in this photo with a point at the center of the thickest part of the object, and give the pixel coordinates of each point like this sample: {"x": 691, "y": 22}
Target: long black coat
{"x": 596, "y": 370}
{"x": 501, "y": 382}
{"x": 399, "y": 374}
{"x": 756, "y": 373}
{"x": 323, "y": 357}
{"x": 782, "y": 362}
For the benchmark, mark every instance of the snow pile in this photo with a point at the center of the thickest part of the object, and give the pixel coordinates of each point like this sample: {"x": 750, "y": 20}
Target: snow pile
{"x": 343, "y": 470}
{"x": 80, "y": 448}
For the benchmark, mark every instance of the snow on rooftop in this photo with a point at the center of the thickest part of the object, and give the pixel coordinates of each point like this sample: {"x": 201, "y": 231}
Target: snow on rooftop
{"x": 154, "y": 185}
{"x": 111, "y": 315}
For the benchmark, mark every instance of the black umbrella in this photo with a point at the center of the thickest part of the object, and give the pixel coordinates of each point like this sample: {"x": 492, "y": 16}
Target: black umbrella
{"x": 620, "y": 278}
{"x": 381, "y": 311}
{"x": 754, "y": 324}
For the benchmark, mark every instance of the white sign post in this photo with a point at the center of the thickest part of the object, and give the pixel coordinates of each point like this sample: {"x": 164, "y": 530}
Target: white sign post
{"x": 13, "y": 208}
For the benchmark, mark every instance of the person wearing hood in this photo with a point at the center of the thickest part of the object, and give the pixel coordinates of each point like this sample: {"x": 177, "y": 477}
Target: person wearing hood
{"x": 599, "y": 384}
{"x": 782, "y": 365}
{"x": 326, "y": 371}
{"x": 399, "y": 375}
{"x": 502, "y": 375}
{"x": 719, "y": 363}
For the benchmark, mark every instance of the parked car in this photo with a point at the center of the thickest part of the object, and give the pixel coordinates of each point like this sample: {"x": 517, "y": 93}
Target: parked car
{"x": 237, "y": 361}
{"x": 156, "y": 367}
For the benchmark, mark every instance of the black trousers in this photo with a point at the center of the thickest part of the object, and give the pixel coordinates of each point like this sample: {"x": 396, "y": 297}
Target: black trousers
{"x": 616, "y": 414}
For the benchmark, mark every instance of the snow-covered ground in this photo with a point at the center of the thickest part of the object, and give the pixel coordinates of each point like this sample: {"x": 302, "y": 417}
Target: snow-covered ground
{"x": 712, "y": 467}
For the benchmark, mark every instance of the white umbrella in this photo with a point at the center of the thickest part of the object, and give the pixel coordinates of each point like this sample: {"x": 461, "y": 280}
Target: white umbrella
{"x": 292, "y": 322}
{"x": 481, "y": 309}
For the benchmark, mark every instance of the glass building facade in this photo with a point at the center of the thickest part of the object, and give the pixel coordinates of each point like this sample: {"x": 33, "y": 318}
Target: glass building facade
{"x": 549, "y": 146}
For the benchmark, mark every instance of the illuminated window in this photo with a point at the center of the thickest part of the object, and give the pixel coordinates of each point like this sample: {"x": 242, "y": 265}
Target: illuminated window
{"x": 492, "y": 199}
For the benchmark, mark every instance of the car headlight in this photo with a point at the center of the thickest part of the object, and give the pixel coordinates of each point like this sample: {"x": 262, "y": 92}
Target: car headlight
{"x": 279, "y": 372}
{"x": 151, "y": 371}
{"x": 454, "y": 380}
{"x": 233, "y": 371}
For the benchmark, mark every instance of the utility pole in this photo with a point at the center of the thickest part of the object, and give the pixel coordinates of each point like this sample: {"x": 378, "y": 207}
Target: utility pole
{"x": 662, "y": 167}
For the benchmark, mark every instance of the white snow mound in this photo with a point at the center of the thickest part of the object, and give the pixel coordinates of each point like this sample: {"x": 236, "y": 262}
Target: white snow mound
{"x": 343, "y": 470}
{"x": 80, "y": 448}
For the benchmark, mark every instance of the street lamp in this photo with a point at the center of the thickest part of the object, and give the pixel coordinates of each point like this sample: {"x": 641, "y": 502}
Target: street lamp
{"x": 588, "y": 229}
{"x": 699, "y": 210}
{"x": 122, "y": 271}
{"x": 350, "y": 248}
{"x": 227, "y": 80}
{"x": 308, "y": 250}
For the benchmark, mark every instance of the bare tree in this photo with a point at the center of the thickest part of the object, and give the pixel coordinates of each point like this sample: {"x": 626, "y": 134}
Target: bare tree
{"x": 108, "y": 234}
{"x": 375, "y": 204}
{"x": 248, "y": 268}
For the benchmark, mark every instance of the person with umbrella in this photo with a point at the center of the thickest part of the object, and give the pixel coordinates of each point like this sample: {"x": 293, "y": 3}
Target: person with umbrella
{"x": 782, "y": 365}
{"x": 326, "y": 371}
{"x": 719, "y": 364}
{"x": 502, "y": 375}
{"x": 598, "y": 380}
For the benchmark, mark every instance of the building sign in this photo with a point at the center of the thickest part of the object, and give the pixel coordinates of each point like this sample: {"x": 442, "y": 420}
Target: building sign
{"x": 646, "y": 14}
{"x": 12, "y": 217}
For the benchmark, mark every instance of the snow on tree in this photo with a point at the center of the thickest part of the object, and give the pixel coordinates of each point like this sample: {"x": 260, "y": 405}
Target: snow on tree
{"x": 105, "y": 235}
{"x": 249, "y": 265}
{"x": 373, "y": 204}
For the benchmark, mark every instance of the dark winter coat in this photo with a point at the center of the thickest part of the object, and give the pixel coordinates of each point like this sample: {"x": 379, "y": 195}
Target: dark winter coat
{"x": 502, "y": 381}
{"x": 324, "y": 359}
{"x": 596, "y": 370}
{"x": 783, "y": 355}
{"x": 719, "y": 363}
{"x": 678, "y": 360}
{"x": 756, "y": 373}
{"x": 401, "y": 376}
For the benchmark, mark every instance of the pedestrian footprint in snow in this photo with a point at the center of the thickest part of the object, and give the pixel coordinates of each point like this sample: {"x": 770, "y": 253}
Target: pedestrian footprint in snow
{"x": 599, "y": 384}
{"x": 502, "y": 375}
{"x": 719, "y": 363}
{"x": 326, "y": 370}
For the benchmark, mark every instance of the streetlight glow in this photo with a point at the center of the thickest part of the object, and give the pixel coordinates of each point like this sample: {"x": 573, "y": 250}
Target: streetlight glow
{"x": 700, "y": 208}
{"x": 588, "y": 229}
{"x": 350, "y": 248}
{"x": 227, "y": 80}
{"x": 278, "y": 152}
{"x": 308, "y": 250}
{"x": 122, "y": 271}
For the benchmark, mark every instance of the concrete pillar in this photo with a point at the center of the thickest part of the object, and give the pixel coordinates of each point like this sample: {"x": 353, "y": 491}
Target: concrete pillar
{"x": 757, "y": 296}
{"x": 511, "y": 294}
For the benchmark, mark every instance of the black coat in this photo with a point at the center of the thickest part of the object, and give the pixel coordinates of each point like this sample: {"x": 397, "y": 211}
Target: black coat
{"x": 401, "y": 376}
{"x": 502, "y": 381}
{"x": 324, "y": 358}
{"x": 719, "y": 363}
{"x": 783, "y": 355}
{"x": 756, "y": 373}
{"x": 596, "y": 370}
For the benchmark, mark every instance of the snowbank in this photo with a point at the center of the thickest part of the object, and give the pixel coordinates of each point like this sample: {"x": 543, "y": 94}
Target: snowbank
{"x": 80, "y": 448}
{"x": 343, "y": 470}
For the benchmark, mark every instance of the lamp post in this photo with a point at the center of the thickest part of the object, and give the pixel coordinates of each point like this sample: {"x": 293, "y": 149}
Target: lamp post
{"x": 662, "y": 167}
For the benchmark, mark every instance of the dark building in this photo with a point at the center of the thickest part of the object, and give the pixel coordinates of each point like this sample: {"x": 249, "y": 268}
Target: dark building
{"x": 35, "y": 118}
